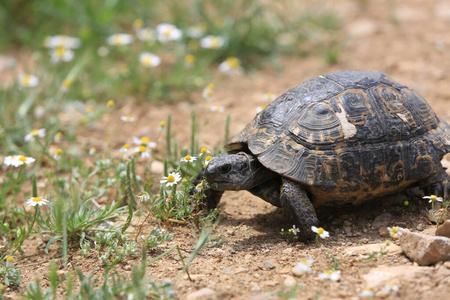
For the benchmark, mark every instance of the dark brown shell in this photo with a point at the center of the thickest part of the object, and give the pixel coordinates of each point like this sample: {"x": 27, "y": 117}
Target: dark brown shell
{"x": 356, "y": 130}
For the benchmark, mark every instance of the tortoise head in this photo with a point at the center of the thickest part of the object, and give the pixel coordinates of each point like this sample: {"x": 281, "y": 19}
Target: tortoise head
{"x": 232, "y": 171}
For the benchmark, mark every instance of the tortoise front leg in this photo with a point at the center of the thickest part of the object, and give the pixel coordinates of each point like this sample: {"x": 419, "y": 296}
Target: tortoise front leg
{"x": 268, "y": 191}
{"x": 437, "y": 184}
{"x": 296, "y": 203}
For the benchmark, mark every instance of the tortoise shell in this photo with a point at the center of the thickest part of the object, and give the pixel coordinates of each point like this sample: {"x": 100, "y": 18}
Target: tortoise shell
{"x": 350, "y": 135}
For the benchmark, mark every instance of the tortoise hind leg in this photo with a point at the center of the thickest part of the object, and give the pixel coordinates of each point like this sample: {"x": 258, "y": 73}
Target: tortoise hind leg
{"x": 437, "y": 184}
{"x": 296, "y": 203}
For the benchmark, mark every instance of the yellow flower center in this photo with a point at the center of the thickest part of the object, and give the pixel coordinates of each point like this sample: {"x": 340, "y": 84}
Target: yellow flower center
{"x": 89, "y": 108}
{"x": 144, "y": 140}
{"x": 126, "y": 146}
{"x": 328, "y": 272}
{"x": 110, "y": 103}
{"x": 58, "y": 152}
{"x": 208, "y": 158}
{"x": 37, "y": 199}
{"x": 215, "y": 42}
{"x": 22, "y": 158}
{"x": 433, "y": 197}
{"x": 189, "y": 58}
{"x": 58, "y": 134}
{"x": 60, "y": 51}
{"x": 263, "y": 107}
{"x": 394, "y": 229}
{"x": 117, "y": 40}
{"x": 162, "y": 124}
{"x": 25, "y": 80}
{"x": 233, "y": 62}
{"x": 138, "y": 23}
{"x": 147, "y": 61}
{"x": 167, "y": 32}
{"x": 170, "y": 178}
{"x": 67, "y": 83}
{"x": 187, "y": 157}
{"x": 304, "y": 261}
{"x": 210, "y": 86}
{"x": 142, "y": 149}
{"x": 10, "y": 258}
{"x": 203, "y": 150}
{"x": 34, "y": 132}
{"x": 209, "y": 93}
{"x": 320, "y": 230}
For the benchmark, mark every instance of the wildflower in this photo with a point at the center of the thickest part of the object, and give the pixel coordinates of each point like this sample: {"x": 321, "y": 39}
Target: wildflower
{"x": 217, "y": 108}
{"x": 394, "y": 230}
{"x": 294, "y": 230}
{"x": 320, "y": 231}
{"x": 367, "y": 292}
{"x": 433, "y": 198}
{"x": 203, "y": 151}
{"x": 391, "y": 288}
{"x": 89, "y": 108}
{"x": 35, "y": 132}
{"x": 61, "y": 54}
{"x": 120, "y": 39}
{"x": 138, "y": 23}
{"x": 199, "y": 187}
{"x": 9, "y": 261}
{"x": 208, "y": 91}
{"x": 92, "y": 151}
{"x": 65, "y": 85}
{"x": 58, "y": 136}
{"x": 196, "y": 31}
{"x": 127, "y": 119}
{"x": 161, "y": 126}
{"x": 57, "y": 154}
{"x": 110, "y": 103}
{"x": 212, "y": 42}
{"x": 33, "y": 201}
{"x": 18, "y": 160}
{"x": 167, "y": 32}
{"x": 207, "y": 159}
{"x": 260, "y": 108}
{"x": 65, "y": 41}
{"x": 149, "y": 59}
{"x": 303, "y": 267}
{"x": 189, "y": 60}
{"x": 143, "y": 151}
{"x": 329, "y": 274}
{"x": 125, "y": 148}
{"x": 269, "y": 97}
{"x": 172, "y": 179}
{"x": 143, "y": 196}
{"x": 145, "y": 34}
{"x": 144, "y": 141}
{"x": 188, "y": 158}
{"x": 231, "y": 65}
{"x": 28, "y": 80}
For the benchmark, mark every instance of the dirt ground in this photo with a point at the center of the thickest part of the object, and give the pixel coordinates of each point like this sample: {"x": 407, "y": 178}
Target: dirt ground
{"x": 407, "y": 39}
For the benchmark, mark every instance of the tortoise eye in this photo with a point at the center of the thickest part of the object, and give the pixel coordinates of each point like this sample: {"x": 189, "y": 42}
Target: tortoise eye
{"x": 225, "y": 168}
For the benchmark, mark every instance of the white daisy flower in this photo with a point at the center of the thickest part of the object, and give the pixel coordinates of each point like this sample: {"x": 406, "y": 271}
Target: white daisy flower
{"x": 217, "y": 108}
{"x": 433, "y": 198}
{"x": 167, "y": 32}
{"x": 61, "y": 54}
{"x": 320, "y": 231}
{"x": 231, "y": 65}
{"x": 188, "y": 158}
{"x": 303, "y": 267}
{"x": 197, "y": 31}
{"x": 120, "y": 39}
{"x": 260, "y": 108}
{"x": 208, "y": 91}
{"x": 207, "y": 160}
{"x": 212, "y": 42}
{"x": 127, "y": 119}
{"x": 143, "y": 196}
{"x": 329, "y": 274}
{"x": 35, "y": 132}
{"x": 9, "y": 261}
{"x": 172, "y": 179}
{"x": 62, "y": 41}
{"x": 367, "y": 292}
{"x": 143, "y": 151}
{"x": 125, "y": 148}
{"x": 145, "y": 34}
{"x": 33, "y": 201}
{"x": 149, "y": 59}
{"x": 145, "y": 141}
{"x": 394, "y": 230}
{"x": 58, "y": 154}
{"x": 294, "y": 230}
{"x": 92, "y": 151}
{"x": 203, "y": 151}
{"x": 269, "y": 97}
{"x": 28, "y": 80}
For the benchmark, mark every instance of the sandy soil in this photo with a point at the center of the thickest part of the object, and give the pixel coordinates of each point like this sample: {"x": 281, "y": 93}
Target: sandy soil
{"x": 408, "y": 40}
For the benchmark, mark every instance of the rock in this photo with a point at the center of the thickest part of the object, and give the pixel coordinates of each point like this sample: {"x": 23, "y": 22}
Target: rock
{"x": 240, "y": 270}
{"x": 348, "y": 231}
{"x": 383, "y": 232}
{"x": 382, "y": 220}
{"x": 289, "y": 281}
{"x": 444, "y": 229}
{"x": 424, "y": 249}
{"x": 378, "y": 277}
{"x": 419, "y": 227}
{"x": 268, "y": 265}
{"x": 287, "y": 251}
{"x": 347, "y": 223}
{"x": 228, "y": 271}
{"x": 255, "y": 287}
{"x": 285, "y": 270}
{"x": 204, "y": 293}
{"x": 392, "y": 249}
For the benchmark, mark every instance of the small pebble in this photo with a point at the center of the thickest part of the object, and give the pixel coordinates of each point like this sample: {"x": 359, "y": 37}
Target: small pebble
{"x": 268, "y": 265}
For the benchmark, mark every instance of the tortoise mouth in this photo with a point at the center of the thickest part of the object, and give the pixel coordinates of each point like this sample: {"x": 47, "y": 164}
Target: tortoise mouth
{"x": 223, "y": 185}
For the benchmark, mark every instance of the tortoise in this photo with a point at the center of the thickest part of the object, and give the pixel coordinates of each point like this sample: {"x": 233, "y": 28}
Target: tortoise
{"x": 345, "y": 137}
